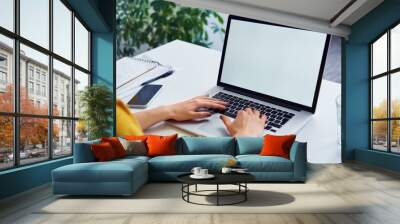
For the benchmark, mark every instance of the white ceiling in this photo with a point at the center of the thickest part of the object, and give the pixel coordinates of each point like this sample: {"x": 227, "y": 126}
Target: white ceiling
{"x": 320, "y": 9}
{"x": 314, "y": 15}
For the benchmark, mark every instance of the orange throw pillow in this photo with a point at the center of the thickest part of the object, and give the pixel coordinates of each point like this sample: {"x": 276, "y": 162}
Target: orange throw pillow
{"x": 277, "y": 145}
{"x": 135, "y": 138}
{"x": 116, "y": 145}
{"x": 161, "y": 145}
{"x": 103, "y": 152}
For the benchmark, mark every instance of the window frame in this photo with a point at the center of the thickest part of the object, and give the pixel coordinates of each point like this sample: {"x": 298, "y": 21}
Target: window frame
{"x": 388, "y": 74}
{"x": 16, "y": 115}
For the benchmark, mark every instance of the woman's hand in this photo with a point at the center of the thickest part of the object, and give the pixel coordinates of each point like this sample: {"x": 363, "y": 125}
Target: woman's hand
{"x": 248, "y": 123}
{"x": 190, "y": 109}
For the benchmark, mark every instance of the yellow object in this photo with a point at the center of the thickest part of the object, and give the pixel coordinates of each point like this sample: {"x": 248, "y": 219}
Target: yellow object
{"x": 231, "y": 162}
{"x": 127, "y": 124}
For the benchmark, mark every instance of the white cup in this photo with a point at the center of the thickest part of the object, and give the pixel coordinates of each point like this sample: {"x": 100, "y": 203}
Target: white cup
{"x": 226, "y": 170}
{"x": 203, "y": 172}
{"x": 196, "y": 171}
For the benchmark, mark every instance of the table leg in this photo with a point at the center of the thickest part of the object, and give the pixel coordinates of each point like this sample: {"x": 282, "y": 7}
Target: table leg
{"x": 195, "y": 188}
{"x": 188, "y": 190}
{"x": 217, "y": 194}
{"x": 245, "y": 193}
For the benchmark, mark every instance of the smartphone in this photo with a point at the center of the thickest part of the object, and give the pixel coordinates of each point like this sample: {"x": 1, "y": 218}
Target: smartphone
{"x": 143, "y": 98}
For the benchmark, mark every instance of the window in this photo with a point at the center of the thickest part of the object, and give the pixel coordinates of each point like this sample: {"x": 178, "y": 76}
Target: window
{"x": 385, "y": 91}
{"x": 30, "y": 72}
{"x": 38, "y": 74}
{"x": 3, "y": 61}
{"x": 7, "y": 14}
{"x": 81, "y": 45}
{"x": 30, "y": 87}
{"x": 34, "y": 21}
{"x": 62, "y": 75}
{"x": 38, "y": 89}
{"x": 3, "y": 78}
{"x": 44, "y": 91}
{"x": 6, "y": 73}
{"x": 62, "y": 31}
{"x": 34, "y": 128}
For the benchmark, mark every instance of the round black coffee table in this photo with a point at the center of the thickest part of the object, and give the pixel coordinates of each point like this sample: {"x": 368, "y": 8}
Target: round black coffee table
{"x": 238, "y": 179}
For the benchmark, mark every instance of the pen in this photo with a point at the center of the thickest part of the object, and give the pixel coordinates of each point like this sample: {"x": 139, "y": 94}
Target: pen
{"x": 166, "y": 74}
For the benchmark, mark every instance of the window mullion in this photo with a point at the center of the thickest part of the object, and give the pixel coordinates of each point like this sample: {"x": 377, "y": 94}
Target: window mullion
{"x": 50, "y": 81}
{"x": 73, "y": 82}
{"x": 16, "y": 85}
{"x": 389, "y": 100}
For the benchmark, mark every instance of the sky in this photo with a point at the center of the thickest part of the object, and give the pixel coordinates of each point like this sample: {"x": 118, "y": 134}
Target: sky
{"x": 35, "y": 27}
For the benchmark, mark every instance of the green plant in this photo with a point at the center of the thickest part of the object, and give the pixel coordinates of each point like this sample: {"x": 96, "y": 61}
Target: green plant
{"x": 155, "y": 22}
{"x": 96, "y": 102}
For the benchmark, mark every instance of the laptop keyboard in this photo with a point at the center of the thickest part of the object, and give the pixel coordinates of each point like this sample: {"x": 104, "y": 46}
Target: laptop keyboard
{"x": 276, "y": 117}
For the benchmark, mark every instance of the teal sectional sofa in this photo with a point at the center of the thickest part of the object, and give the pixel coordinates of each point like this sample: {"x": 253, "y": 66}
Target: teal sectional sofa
{"x": 125, "y": 176}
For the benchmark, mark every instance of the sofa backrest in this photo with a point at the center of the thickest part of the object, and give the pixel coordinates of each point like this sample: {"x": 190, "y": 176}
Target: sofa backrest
{"x": 192, "y": 146}
{"x": 205, "y": 145}
{"x": 249, "y": 145}
{"x": 83, "y": 153}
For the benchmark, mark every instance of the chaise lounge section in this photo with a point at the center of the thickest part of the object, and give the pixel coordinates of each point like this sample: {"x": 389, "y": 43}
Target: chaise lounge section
{"x": 125, "y": 176}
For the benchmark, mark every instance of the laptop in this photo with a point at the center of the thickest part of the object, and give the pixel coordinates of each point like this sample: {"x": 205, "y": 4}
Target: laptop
{"x": 274, "y": 69}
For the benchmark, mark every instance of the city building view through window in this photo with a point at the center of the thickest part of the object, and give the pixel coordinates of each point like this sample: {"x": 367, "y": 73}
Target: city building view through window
{"x": 385, "y": 91}
{"x": 40, "y": 83}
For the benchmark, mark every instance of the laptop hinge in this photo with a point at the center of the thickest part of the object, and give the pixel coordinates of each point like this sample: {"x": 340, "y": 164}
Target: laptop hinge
{"x": 276, "y": 102}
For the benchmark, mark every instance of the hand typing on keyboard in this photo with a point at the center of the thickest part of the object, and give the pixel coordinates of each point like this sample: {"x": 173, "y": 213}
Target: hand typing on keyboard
{"x": 195, "y": 108}
{"x": 276, "y": 117}
{"x": 248, "y": 122}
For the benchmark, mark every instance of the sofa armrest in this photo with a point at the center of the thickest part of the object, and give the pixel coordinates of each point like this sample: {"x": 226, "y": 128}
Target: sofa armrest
{"x": 298, "y": 155}
{"x": 83, "y": 152}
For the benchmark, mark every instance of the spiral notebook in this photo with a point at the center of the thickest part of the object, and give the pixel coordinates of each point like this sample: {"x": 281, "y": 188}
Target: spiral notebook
{"x": 133, "y": 71}
{"x": 130, "y": 68}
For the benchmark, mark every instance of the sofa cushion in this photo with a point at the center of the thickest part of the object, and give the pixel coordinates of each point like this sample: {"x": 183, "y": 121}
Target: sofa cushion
{"x": 161, "y": 145}
{"x": 116, "y": 145}
{"x": 113, "y": 171}
{"x": 257, "y": 163}
{"x": 103, "y": 152}
{"x": 83, "y": 152}
{"x": 206, "y": 145}
{"x": 277, "y": 145}
{"x": 248, "y": 145}
{"x": 185, "y": 163}
{"x": 134, "y": 147}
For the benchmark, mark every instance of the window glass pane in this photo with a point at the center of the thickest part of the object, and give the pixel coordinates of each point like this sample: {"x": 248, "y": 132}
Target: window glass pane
{"x": 81, "y": 81}
{"x": 379, "y": 135}
{"x": 62, "y": 138}
{"x": 7, "y": 14}
{"x": 34, "y": 72}
{"x": 62, "y": 29}
{"x": 33, "y": 139}
{"x": 6, "y": 74}
{"x": 379, "y": 97}
{"x": 62, "y": 89}
{"x": 34, "y": 21}
{"x": 379, "y": 56}
{"x": 395, "y": 47}
{"x": 395, "y": 136}
{"x": 6, "y": 142}
{"x": 395, "y": 94}
{"x": 81, "y": 131}
{"x": 81, "y": 45}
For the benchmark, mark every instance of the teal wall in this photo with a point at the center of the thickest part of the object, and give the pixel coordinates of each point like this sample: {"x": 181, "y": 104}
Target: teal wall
{"x": 27, "y": 177}
{"x": 355, "y": 72}
{"x": 103, "y": 63}
{"x": 99, "y": 15}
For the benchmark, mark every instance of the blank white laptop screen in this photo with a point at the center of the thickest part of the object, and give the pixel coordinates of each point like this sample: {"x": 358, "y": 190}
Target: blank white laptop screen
{"x": 277, "y": 61}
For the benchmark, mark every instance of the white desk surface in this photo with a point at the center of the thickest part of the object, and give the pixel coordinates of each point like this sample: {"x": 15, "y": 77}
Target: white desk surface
{"x": 197, "y": 72}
